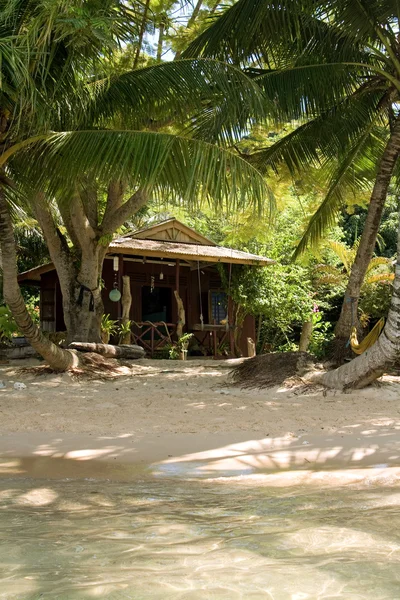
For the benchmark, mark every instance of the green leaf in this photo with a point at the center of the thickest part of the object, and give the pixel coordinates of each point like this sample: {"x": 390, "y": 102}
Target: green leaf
{"x": 191, "y": 171}
{"x": 214, "y": 101}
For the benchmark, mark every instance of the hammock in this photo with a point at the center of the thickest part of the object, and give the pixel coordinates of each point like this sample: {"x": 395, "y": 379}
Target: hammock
{"x": 369, "y": 339}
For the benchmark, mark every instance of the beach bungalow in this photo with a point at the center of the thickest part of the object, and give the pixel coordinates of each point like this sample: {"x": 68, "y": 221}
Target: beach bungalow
{"x": 172, "y": 276}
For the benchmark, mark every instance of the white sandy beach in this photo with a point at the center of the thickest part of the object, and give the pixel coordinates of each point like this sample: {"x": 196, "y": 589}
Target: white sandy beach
{"x": 187, "y": 416}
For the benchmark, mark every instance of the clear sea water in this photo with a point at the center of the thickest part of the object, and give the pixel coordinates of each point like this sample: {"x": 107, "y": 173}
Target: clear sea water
{"x": 162, "y": 538}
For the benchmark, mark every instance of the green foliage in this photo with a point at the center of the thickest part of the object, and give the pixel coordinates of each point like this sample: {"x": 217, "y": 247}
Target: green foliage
{"x": 124, "y": 328}
{"x": 280, "y": 294}
{"x": 164, "y": 126}
{"x": 352, "y": 224}
{"x": 108, "y": 325}
{"x": 375, "y": 300}
{"x": 31, "y": 246}
{"x": 321, "y": 335}
{"x": 8, "y": 326}
{"x": 380, "y": 268}
{"x": 175, "y": 349}
{"x": 173, "y": 352}
{"x": 333, "y": 68}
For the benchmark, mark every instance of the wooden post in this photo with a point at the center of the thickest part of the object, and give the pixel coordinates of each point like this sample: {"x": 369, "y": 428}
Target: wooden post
{"x": 120, "y": 273}
{"x": 179, "y": 302}
{"x": 215, "y": 342}
{"x": 181, "y": 315}
{"x": 126, "y": 302}
{"x": 231, "y": 325}
{"x": 251, "y": 348}
{"x": 177, "y": 270}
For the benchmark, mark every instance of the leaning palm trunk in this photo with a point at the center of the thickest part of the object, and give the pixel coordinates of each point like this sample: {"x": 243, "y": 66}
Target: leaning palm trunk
{"x": 58, "y": 359}
{"x": 384, "y": 353}
{"x": 348, "y": 316}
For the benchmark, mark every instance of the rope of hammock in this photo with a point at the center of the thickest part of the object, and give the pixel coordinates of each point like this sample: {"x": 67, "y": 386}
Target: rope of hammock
{"x": 229, "y": 294}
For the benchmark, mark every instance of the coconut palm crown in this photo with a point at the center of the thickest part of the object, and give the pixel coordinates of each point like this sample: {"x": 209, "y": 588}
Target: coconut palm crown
{"x": 332, "y": 65}
{"x": 66, "y": 129}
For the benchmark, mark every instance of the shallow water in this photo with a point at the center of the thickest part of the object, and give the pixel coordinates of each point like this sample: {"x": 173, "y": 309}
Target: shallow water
{"x": 225, "y": 539}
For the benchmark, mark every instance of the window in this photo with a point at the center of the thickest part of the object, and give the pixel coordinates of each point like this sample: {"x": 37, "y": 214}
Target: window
{"x": 218, "y": 306}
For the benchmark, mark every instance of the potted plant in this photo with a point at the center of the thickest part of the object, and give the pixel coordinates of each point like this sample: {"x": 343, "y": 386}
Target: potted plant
{"x": 108, "y": 328}
{"x": 180, "y": 349}
{"x": 124, "y": 331}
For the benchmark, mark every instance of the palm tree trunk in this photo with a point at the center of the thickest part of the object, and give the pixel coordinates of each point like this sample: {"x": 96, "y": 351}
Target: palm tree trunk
{"x": 384, "y": 353}
{"x": 190, "y": 22}
{"x": 161, "y": 30}
{"x": 348, "y": 316}
{"x": 58, "y": 359}
{"x": 141, "y": 33}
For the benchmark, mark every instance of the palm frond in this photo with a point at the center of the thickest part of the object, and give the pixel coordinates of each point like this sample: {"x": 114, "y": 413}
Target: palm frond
{"x": 379, "y": 278}
{"x": 215, "y": 101}
{"x": 343, "y": 253}
{"x": 191, "y": 171}
{"x": 272, "y": 32}
{"x": 350, "y": 174}
{"x": 304, "y": 91}
{"x": 365, "y": 18}
{"x": 379, "y": 261}
{"x": 330, "y": 279}
{"x": 326, "y": 137}
{"x": 48, "y": 51}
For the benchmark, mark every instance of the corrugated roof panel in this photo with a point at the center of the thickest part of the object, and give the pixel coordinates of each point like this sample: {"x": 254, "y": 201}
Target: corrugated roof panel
{"x": 188, "y": 251}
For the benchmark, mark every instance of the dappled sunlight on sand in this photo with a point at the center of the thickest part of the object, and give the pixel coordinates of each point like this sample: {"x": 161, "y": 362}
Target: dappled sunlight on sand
{"x": 196, "y": 396}
{"x": 172, "y": 484}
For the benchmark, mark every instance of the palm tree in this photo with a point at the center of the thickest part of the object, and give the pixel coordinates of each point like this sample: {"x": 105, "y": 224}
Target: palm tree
{"x": 380, "y": 268}
{"x": 335, "y": 66}
{"x": 84, "y": 131}
{"x": 384, "y": 353}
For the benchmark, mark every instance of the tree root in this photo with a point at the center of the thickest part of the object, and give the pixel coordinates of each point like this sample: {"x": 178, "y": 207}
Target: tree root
{"x": 89, "y": 366}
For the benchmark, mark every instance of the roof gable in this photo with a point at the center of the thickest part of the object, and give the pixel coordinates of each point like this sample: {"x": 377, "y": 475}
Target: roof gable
{"x": 171, "y": 230}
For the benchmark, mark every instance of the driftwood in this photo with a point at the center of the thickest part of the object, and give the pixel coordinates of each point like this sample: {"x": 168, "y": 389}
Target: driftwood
{"x": 126, "y": 302}
{"x": 181, "y": 315}
{"x": 108, "y": 350}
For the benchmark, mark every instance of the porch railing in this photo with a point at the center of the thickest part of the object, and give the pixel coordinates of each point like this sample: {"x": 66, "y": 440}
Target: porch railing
{"x": 155, "y": 336}
{"x": 152, "y": 336}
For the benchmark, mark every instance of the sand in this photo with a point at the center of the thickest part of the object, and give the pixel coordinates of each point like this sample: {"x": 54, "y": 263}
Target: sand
{"x": 186, "y": 417}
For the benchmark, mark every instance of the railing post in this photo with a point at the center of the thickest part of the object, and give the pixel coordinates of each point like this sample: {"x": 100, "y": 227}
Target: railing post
{"x": 215, "y": 338}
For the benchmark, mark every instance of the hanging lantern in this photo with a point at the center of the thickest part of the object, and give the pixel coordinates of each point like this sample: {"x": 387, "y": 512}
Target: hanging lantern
{"x": 161, "y": 276}
{"x": 115, "y": 295}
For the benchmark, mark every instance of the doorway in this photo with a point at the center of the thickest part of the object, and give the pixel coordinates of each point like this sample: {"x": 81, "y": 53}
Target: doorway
{"x": 157, "y": 304}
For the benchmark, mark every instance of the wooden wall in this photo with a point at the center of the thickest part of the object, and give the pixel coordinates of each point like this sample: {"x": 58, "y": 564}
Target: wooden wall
{"x": 140, "y": 275}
